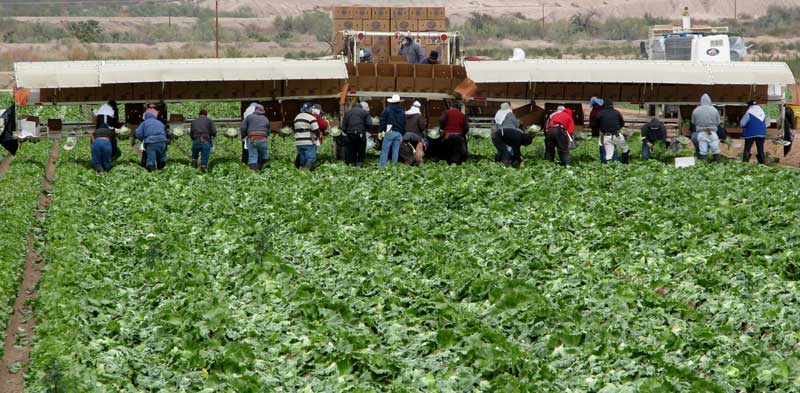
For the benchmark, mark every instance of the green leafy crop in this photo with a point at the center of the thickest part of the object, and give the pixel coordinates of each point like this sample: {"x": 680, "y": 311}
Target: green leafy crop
{"x": 432, "y": 278}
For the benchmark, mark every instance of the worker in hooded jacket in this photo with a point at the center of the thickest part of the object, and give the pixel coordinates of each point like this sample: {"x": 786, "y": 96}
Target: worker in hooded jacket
{"x": 507, "y": 136}
{"x": 754, "y": 131}
{"x": 256, "y": 129}
{"x": 558, "y": 135}
{"x": 610, "y": 123}
{"x": 455, "y": 126}
{"x": 355, "y": 124}
{"x": 154, "y": 136}
{"x": 412, "y": 51}
{"x": 202, "y": 131}
{"x": 705, "y": 121}
{"x": 412, "y": 150}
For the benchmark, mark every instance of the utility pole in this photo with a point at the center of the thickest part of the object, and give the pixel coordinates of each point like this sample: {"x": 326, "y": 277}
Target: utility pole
{"x": 216, "y": 17}
{"x": 542, "y": 19}
{"x": 169, "y": 16}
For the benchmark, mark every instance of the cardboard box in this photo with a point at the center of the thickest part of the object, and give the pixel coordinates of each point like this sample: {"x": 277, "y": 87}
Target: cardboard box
{"x": 554, "y": 91}
{"x": 398, "y": 59}
{"x": 423, "y": 81}
{"x": 366, "y": 69}
{"x": 362, "y": 13}
{"x": 381, "y": 13}
{"x": 431, "y": 25}
{"x": 437, "y": 13}
{"x": 367, "y": 83}
{"x": 342, "y": 12}
{"x": 400, "y": 13}
{"x": 347, "y": 24}
{"x": 225, "y": 90}
{"x": 442, "y": 71}
{"x": 404, "y": 25}
{"x": 442, "y": 85}
{"x": 376, "y": 25}
{"x": 417, "y": 13}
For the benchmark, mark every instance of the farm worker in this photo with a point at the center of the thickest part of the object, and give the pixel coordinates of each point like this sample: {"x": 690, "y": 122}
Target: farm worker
{"x": 610, "y": 123}
{"x": 653, "y": 132}
{"x": 754, "y": 130}
{"x": 256, "y": 129}
{"x": 558, "y": 134}
{"x": 102, "y": 150}
{"x": 247, "y": 112}
{"x": 411, "y": 50}
{"x": 306, "y": 134}
{"x": 412, "y": 150}
{"x": 316, "y": 111}
{"x": 393, "y": 126}
{"x": 433, "y": 58}
{"x": 505, "y": 128}
{"x": 108, "y": 116}
{"x": 202, "y": 132}
{"x": 596, "y": 104}
{"x": 154, "y": 136}
{"x": 455, "y": 126}
{"x": 706, "y": 120}
{"x": 789, "y": 124}
{"x": 355, "y": 125}
{"x": 364, "y": 55}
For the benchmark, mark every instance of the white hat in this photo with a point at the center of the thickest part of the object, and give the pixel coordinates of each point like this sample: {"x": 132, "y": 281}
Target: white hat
{"x": 395, "y": 99}
{"x": 417, "y": 104}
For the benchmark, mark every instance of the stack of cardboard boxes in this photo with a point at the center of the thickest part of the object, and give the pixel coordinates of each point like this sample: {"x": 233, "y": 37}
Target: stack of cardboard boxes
{"x": 391, "y": 20}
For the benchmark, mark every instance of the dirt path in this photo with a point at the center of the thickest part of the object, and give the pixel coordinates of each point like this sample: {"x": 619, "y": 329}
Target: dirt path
{"x": 5, "y": 165}
{"x": 20, "y": 331}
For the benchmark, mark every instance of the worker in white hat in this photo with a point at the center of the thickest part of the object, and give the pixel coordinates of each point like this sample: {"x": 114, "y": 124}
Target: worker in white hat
{"x": 393, "y": 126}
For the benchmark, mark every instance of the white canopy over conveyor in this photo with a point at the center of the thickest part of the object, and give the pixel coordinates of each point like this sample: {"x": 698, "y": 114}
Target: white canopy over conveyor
{"x": 78, "y": 74}
{"x": 630, "y": 71}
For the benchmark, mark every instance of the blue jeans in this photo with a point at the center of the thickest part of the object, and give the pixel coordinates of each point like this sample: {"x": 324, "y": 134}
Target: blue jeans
{"x": 307, "y": 155}
{"x": 391, "y": 141}
{"x": 258, "y": 151}
{"x": 201, "y": 149}
{"x": 101, "y": 154}
{"x": 645, "y": 150}
{"x": 156, "y": 155}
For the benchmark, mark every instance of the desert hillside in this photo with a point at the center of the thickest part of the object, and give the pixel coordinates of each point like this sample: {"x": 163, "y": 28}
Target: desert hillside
{"x": 554, "y": 9}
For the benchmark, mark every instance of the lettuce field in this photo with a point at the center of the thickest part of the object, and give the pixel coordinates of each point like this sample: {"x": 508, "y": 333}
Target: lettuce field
{"x": 475, "y": 278}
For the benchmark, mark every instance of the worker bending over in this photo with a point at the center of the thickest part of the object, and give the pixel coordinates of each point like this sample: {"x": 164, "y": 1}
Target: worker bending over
{"x": 154, "y": 136}
{"x": 412, "y": 151}
{"x": 558, "y": 134}
{"x": 610, "y": 123}
{"x": 652, "y": 133}
{"x": 455, "y": 126}
{"x": 202, "y": 131}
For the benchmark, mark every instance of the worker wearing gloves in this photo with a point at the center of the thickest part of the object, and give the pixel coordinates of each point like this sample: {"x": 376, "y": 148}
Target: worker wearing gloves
{"x": 558, "y": 134}
{"x": 652, "y": 132}
{"x": 412, "y": 150}
{"x": 306, "y": 135}
{"x": 102, "y": 150}
{"x": 455, "y": 126}
{"x": 596, "y": 104}
{"x": 754, "y": 131}
{"x": 255, "y": 128}
{"x": 202, "y": 132}
{"x": 393, "y": 127}
{"x": 411, "y": 50}
{"x": 154, "y": 136}
{"x": 356, "y": 124}
{"x": 706, "y": 120}
{"x": 610, "y": 123}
